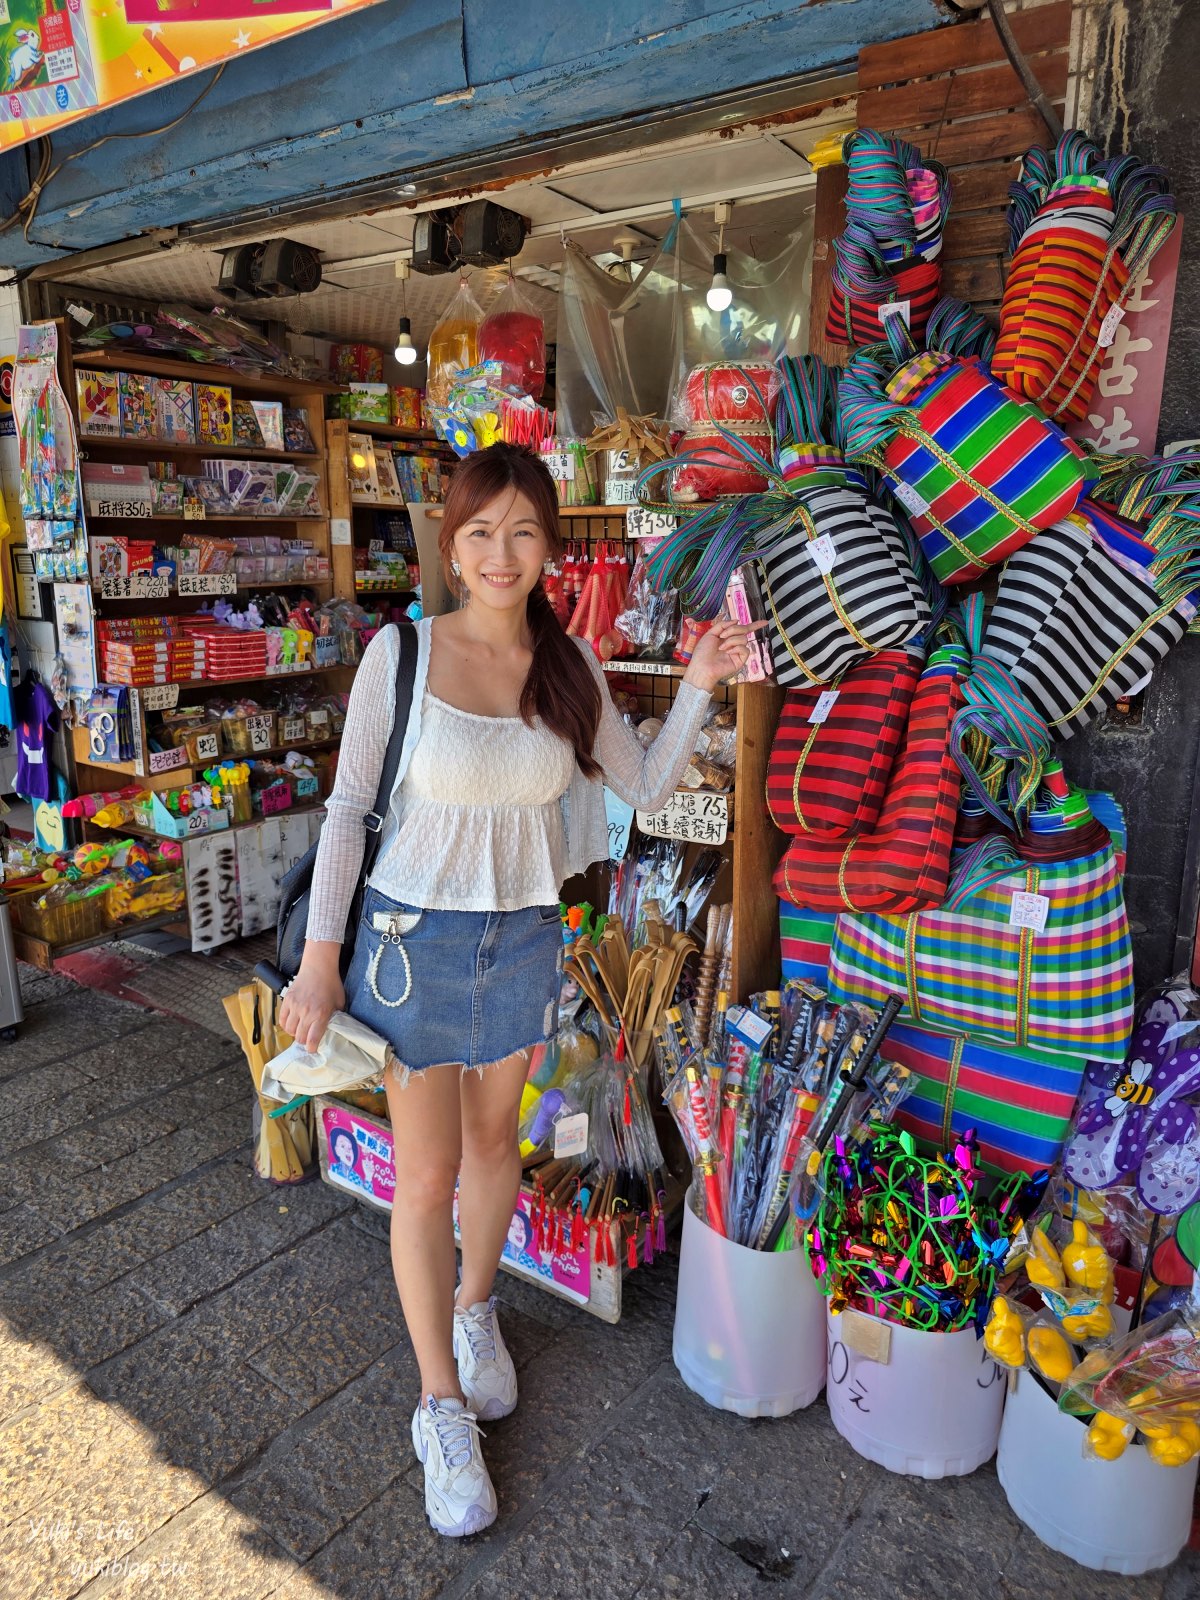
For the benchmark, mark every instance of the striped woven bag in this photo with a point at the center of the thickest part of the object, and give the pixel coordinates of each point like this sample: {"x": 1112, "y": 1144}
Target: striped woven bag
{"x": 1081, "y": 228}
{"x": 884, "y": 262}
{"x": 903, "y": 862}
{"x": 1032, "y": 955}
{"x": 978, "y": 471}
{"x": 1085, "y": 612}
{"x": 834, "y": 749}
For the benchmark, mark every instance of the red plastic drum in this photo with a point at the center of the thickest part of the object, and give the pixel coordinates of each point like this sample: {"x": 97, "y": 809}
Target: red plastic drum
{"x": 709, "y": 467}
{"x": 724, "y": 391}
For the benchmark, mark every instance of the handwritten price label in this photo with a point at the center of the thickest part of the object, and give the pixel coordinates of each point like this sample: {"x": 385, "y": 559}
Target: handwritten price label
{"x": 260, "y": 730}
{"x": 137, "y": 586}
{"x": 694, "y": 818}
{"x": 561, "y": 466}
{"x": 160, "y": 696}
{"x": 643, "y": 524}
{"x": 650, "y": 669}
{"x": 291, "y": 730}
{"x": 620, "y": 819}
{"x": 208, "y": 583}
{"x": 168, "y": 760}
{"x": 207, "y": 748}
{"x": 194, "y": 511}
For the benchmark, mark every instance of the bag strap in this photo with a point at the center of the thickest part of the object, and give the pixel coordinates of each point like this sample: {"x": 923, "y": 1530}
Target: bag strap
{"x": 406, "y": 677}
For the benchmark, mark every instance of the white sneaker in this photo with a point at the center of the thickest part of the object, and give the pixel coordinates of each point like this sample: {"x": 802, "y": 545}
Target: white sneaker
{"x": 485, "y": 1369}
{"x": 459, "y": 1498}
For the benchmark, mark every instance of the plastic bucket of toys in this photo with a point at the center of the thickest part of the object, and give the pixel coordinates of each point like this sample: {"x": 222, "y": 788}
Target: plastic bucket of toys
{"x": 749, "y": 1333}
{"x": 1129, "y": 1515}
{"x": 928, "y": 1404}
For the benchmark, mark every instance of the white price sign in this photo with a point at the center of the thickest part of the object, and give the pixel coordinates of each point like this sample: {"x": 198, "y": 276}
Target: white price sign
{"x": 137, "y": 586}
{"x": 643, "y": 524}
{"x": 207, "y": 748}
{"x": 291, "y": 730}
{"x": 561, "y": 465}
{"x": 160, "y": 696}
{"x": 168, "y": 760}
{"x": 692, "y": 817}
{"x": 620, "y": 491}
{"x": 823, "y": 552}
{"x": 826, "y": 701}
{"x": 259, "y": 730}
{"x": 571, "y": 1135}
{"x": 908, "y": 497}
{"x": 651, "y": 669}
{"x": 129, "y": 506}
{"x": 194, "y": 511}
{"x": 620, "y": 819}
{"x": 207, "y": 583}
{"x": 1029, "y": 911}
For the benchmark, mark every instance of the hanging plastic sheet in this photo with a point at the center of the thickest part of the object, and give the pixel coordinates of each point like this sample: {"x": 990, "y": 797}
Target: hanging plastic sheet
{"x": 632, "y": 344}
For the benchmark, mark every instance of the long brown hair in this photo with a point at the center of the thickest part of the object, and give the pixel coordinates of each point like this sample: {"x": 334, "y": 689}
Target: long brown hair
{"x": 560, "y": 688}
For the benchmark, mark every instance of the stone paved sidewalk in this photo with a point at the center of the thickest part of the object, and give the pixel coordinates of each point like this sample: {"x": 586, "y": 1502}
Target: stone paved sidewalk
{"x": 206, "y": 1390}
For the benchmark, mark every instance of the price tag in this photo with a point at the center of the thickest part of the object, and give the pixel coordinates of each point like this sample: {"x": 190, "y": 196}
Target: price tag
{"x": 897, "y": 308}
{"x": 1029, "y": 911}
{"x": 641, "y": 523}
{"x": 826, "y": 701}
{"x": 291, "y": 730}
{"x": 197, "y": 822}
{"x": 620, "y": 820}
{"x": 207, "y": 748}
{"x": 910, "y": 499}
{"x": 207, "y": 583}
{"x": 620, "y": 491}
{"x": 137, "y": 586}
{"x": 160, "y": 696}
{"x": 274, "y": 801}
{"x": 339, "y": 530}
{"x": 259, "y": 729}
{"x": 823, "y": 552}
{"x": 132, "y": 506}
{"x": 571, "y": 1135}
{"x": 194, "y": 511}
{"x": 325, "y": 651}
{"x": 168, "y": 760}
{"x": 1108, "y": 328}
{"x": 694, "y": 818}
{"x": 561, "y": 465}
{"x": 649, "y": 669}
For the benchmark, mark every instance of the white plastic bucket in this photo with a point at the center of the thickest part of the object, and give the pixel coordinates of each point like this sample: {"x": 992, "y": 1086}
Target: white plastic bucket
{"x": 1127, "y": 1516}
{"x": 932, "y": 1408}
{"x": 749, "y": 1324}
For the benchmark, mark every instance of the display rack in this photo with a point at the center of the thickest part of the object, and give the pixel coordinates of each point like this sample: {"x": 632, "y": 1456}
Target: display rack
{"x": 90, "y": 776}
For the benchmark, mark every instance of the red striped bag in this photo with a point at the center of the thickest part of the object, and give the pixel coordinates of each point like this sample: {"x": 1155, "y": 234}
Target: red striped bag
{"x": 903, "y": 864}
{"x": 834, "y": 748}
{"x": 912, "y": 294}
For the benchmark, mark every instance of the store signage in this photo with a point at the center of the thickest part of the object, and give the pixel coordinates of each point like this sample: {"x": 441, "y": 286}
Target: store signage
{"x": 561, "y": 465}
{"x": 63, "y": 64}
{"x": 695, "y": 818}
{"x": 643, "y": 524}
{"x": 651, "y": 669}
{"x": 160, "y": 696}
{"x": 136, "y": 586}
{"x": 168, "y": 760}
{"x": 208, "y": 583}
{"x": 259, "y": 730}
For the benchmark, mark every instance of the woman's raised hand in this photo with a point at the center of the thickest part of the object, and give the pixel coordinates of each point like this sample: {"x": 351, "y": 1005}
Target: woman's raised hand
{"x": 720, "y": 653}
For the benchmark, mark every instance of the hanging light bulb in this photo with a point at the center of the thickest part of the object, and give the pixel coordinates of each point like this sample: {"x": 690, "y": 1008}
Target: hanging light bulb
{"x": 406, "y": 351}
{"x": 720, "y": 295}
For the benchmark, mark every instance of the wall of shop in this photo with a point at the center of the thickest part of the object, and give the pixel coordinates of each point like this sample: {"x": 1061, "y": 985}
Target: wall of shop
{"x": 405, "y": 88}
{"x": 1141, "y": 96}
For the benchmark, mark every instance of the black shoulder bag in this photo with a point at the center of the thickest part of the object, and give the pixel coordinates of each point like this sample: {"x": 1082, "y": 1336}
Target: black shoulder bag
{"x": 296, "y": 888}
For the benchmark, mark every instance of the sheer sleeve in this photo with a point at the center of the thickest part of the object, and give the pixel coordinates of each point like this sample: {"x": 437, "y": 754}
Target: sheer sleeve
{"x": 360, "y": 761}
{"x": 645, "y": 777}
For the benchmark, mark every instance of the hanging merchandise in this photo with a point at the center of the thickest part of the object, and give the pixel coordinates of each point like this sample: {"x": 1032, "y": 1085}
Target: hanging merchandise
{"x": 632, "y": 343}
{"x": 603, "y": 596}
{"x": 902, "y": 863}
{"x": 514, "y": 334}
{"x": 36, "y": 723}
{"x": 834, "y": 748}
{"x": 885, "y": 260}
{"x": 453, "y": 344}
{"x": 1036, "y": 956}
{"x": 978, "y": 471}
{"x": 1081, "y": 229}
{"x": 49, "y": 477}
{"x": 726, "y": 413}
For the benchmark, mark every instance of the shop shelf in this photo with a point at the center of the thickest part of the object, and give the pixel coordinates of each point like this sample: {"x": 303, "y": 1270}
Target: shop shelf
{"x": 648, "y": 669}
{"x": 272, "y": 384}
{"x": 183, "y": 448}
{"x": 41, "y": 953}
{"x": 205, "y": 522}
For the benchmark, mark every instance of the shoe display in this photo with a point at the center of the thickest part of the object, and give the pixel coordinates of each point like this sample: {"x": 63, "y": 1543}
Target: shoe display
{"x": 485, "y": 1369}
{"x": 459, "y": 1497}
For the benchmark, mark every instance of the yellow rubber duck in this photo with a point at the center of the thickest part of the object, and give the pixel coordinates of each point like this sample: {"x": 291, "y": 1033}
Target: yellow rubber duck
{"x": 1043, "y": 1267}
{"x": 1050, "y": 1353}
{"x": 1004, "y": 1336}
{"x": 1086, "y": 1264}
{"x": 1108, "y": 1436}
{"x": 1174, "y": 1444}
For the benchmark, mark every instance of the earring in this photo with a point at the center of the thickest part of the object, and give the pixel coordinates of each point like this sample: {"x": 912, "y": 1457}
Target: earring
{"x": 456, "y": 568}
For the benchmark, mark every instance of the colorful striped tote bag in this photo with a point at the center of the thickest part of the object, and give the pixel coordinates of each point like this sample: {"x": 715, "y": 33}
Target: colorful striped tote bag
{"x": 1084, "y": 613}
{"x": 1019, "y": 1102}
{"x": 834, "y": 748}
{"x": 1034, "y": 956}
{"x": 903, "y": 863}
{"x": 978, "y": 471}
{"x": 1081, "y": 228}
{"x": 804, "y": 940}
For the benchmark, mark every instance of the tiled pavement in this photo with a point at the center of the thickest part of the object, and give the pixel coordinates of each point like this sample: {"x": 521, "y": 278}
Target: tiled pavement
{"x": 205, "y": 1388}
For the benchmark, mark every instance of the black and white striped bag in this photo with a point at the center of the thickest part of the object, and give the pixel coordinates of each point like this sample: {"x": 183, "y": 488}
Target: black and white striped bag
{"x": 1084, "y": 613}
{"x": 838, "y": 582}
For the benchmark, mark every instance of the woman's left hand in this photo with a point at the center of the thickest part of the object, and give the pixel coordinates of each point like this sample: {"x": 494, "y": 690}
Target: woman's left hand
{"x": 721, "y": 652}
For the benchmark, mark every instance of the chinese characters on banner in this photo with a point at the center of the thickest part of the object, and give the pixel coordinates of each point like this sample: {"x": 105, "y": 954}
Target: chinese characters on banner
{"x": 62, "y": 61}
{"x": 1123, "y": 418}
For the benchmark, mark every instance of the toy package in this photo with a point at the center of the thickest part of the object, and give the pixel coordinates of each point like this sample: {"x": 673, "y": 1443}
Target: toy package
{"x": 247, "y": 434}
{"x": 214, "y": 414}
{"x": 514, "y": 334}
{"x": 269, "y": 415}
{"x": 175, "y": 411}
{"x": 98, "y": 395}
{"x": 139, "y": 408}
{"x": 296, "y": 435}
{"x": 454, "y": 343}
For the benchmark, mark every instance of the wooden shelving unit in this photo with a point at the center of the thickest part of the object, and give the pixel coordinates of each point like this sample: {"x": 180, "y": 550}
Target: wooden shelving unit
{"x": 89, "y": 776}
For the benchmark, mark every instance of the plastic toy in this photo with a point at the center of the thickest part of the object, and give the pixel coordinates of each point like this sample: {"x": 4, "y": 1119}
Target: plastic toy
{"x": 1108, "y": 1436}
{"x": 1050, "y": 1353}
{"x": 1043, "y": 1266}
{"x": 1004, "y": 1336}
{"x": 1173, "y": 1445}
{"x": 1086, "y": 1264}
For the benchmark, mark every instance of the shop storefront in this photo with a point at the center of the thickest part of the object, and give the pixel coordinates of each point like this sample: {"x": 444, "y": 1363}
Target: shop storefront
{"x": 855, "y": 1006}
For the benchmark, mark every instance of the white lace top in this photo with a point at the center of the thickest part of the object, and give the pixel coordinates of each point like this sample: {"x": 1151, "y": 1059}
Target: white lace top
{"x": 481, "y": 827}
{"x": 550, "y": 847}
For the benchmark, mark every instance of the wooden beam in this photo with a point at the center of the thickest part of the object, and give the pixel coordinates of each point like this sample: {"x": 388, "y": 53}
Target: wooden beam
{"x": 966, "y": 44}
{"x": 960, "y": 94}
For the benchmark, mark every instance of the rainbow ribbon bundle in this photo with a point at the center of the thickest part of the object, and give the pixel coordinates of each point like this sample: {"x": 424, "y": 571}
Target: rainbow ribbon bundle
{"x": 1081, "y": 228}
{"x": 896, "y": 209}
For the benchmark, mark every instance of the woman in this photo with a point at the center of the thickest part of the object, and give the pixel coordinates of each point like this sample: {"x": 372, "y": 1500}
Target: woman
{"x": 498, "y": 800}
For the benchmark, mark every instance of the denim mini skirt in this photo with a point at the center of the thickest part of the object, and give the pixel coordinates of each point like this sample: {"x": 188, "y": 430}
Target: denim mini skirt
{"x": 464, "y": 987}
